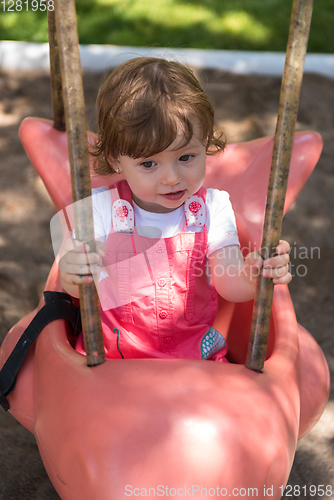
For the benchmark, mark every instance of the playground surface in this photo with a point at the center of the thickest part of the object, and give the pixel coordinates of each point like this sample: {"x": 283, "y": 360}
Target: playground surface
{"x": 246, "y": 108}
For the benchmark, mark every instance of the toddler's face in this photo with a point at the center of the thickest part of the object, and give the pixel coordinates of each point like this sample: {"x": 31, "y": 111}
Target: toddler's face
{"x": 163, "y": 182}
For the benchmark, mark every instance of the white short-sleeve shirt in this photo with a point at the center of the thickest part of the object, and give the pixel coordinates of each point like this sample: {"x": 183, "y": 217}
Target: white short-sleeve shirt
{"x": 220, "y": 219}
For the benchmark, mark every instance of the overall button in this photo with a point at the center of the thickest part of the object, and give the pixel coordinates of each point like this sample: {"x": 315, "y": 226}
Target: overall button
{"x": 167, "y": 340}
{"x": 160, "y": 248}
{"x": 161, "y": 282}
{"x": 163, "y": 314}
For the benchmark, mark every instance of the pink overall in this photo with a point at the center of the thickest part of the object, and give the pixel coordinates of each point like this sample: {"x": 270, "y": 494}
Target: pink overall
{"x": 156, "y": 301}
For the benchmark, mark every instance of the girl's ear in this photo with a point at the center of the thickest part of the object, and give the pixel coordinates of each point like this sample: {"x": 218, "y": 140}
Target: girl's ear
{"x": 115, "y": 165}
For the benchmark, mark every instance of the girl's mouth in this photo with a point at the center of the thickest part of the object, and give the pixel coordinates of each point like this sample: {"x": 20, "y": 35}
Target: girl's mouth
{"x": 177, "y": 195}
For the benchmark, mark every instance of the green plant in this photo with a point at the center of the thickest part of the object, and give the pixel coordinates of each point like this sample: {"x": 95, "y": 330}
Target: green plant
{"x": 206, "y": 24}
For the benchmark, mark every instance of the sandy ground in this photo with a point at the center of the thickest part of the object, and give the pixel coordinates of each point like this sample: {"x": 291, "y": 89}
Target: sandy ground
{"x": 246, "y": 109}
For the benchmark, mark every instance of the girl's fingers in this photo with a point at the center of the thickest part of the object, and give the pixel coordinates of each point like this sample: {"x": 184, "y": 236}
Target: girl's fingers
{"x": 278, "y": 261}
{"x": 281, "y": 257}
{"x": 276, "y": 267}
{"x": 80, "y": 264}
{"x": 282, "y": 247}
{"x": 83, "y": 269}
{"x": 77, "y": 279}
{"x": 284, "y": 280}
{"x": 82, "y": 258}
{"x": 76, "y": 258}
{"x": 275, "y": 272}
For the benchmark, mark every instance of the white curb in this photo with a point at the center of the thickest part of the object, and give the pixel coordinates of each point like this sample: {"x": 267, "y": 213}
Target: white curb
{"x": 24, "y": 56}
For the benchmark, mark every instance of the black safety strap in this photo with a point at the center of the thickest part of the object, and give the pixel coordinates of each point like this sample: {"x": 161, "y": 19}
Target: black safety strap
{"x": 57, "y": 306}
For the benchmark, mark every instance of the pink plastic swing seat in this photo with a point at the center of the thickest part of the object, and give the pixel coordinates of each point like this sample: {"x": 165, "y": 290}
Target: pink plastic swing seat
{"x": 152, "y": 427}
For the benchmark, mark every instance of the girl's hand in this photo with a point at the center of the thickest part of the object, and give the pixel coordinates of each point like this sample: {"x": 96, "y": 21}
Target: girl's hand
{"x": 77, "y": 263}
{"x": 275, "y": 267}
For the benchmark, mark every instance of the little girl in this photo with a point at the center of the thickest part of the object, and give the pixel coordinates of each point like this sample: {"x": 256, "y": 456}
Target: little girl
{"x": 158, "y": 230}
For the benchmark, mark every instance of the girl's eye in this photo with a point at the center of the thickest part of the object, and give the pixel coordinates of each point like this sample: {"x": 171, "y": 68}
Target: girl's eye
{"x": 185, "y": 157}
{"x": 148, "y": 164}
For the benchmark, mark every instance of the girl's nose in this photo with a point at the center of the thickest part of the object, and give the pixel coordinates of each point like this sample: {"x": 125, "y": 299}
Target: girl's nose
{"x": 170, "y": 175}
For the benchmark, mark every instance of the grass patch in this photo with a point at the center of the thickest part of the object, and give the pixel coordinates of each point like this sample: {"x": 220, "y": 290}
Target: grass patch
{"x": 206, "y": 24}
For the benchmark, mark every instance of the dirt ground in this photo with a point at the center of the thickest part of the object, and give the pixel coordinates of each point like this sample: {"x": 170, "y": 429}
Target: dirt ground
{"x": 246, "y": 109}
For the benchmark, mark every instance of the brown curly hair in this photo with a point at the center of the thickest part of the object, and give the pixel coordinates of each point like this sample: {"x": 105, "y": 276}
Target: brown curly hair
{"x": 142, "y": 106}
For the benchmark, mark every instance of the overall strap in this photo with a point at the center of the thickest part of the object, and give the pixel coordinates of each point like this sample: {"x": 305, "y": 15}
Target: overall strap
{"x": 195, "y": 209}
{"x": 122, "y": 213}
{"x": 121, "y": 190}
{"x": 195, "y": 215}
{"x": 202, "y": 193}
{"x": 57, "y": 306}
